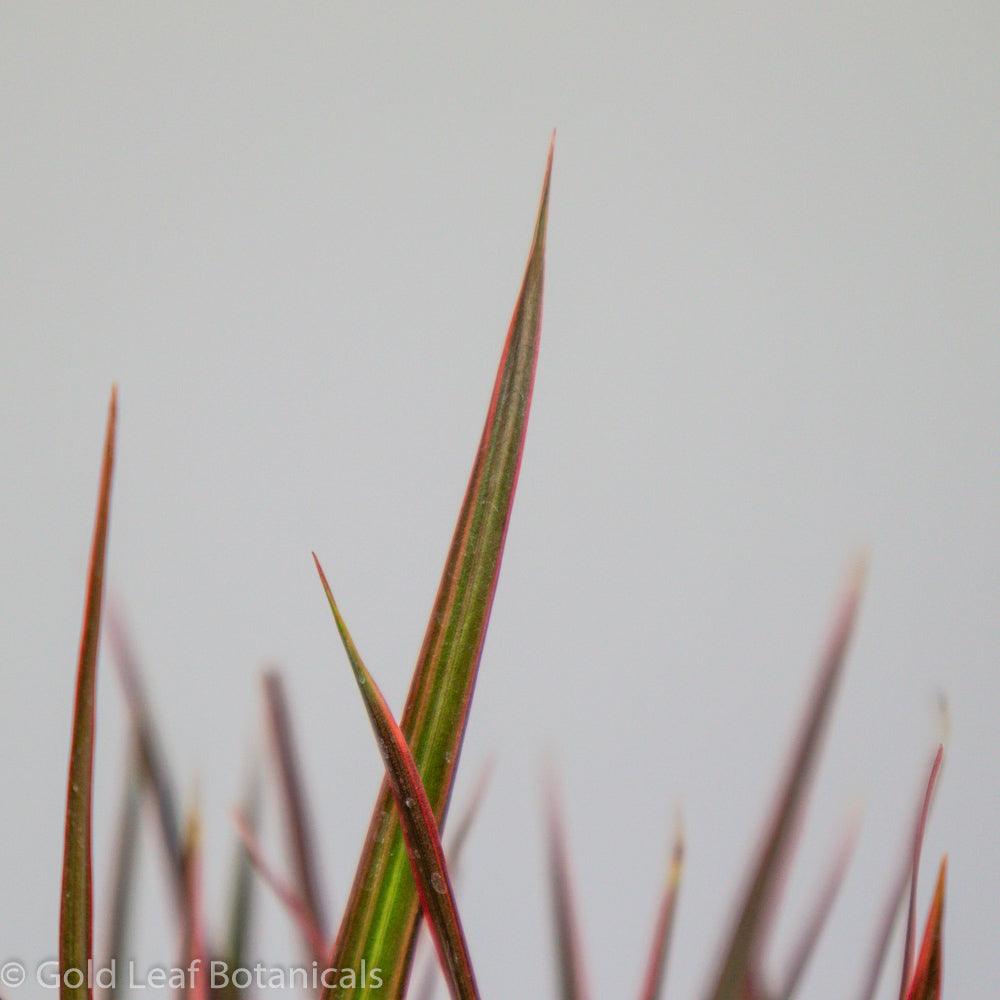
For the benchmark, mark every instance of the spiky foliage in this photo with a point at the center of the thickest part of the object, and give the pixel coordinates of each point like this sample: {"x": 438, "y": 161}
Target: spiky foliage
{"x": 404, "y": 869}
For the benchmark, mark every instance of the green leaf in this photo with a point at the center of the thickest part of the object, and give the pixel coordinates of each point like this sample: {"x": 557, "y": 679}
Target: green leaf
{"x": 423, "y": 844}
{"x": 379, "y": 923}
{"x": 742, "y": 952}
{"x": 76, "y": 907}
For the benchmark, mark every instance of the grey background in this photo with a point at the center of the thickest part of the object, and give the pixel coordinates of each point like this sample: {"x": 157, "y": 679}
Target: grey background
{"x": 293, "y": 234}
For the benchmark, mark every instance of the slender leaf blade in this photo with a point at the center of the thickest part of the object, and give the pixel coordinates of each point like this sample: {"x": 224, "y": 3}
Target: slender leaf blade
{"x": 813, "y": 927}
{"x": 458, "y": 836}
{"x": 570, "y": 965}
{"x": 887, "y": 919}
{"x": 918, "y": 843}
{"x": 426, "y": 855}
{"x": 742, "y": 951}
{"x": 126, "y": 850}
{"x": 293, "y": 904}
{"x": 76, "y": 907}
{"x": 157, "y": 774}
{"x": 652, "y": 987}
{"x": 241, "y": 905}
{"x": 195, "y": 951}
{"x": 379, "y": 922}
{"x": 299, "y": 829}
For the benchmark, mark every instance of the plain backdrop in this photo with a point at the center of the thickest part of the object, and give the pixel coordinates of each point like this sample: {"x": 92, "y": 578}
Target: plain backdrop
{"x": 293, "y": 235}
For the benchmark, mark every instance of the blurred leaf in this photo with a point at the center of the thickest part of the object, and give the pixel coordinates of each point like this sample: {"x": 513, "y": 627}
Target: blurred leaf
{"x": 918, "y": 843}
{"x": 296, "y": 814}
{"x": 813, "y": 927}
{"x": 76, "y": 906}
{"x": 156, "y": 773}
{"x": 195, "y": 953}
{"x": 241, "y": 905}
{"x": 426, "y": 855}
{"x": 887, "y": 920}
{"x": 380, "y": 919}
{"x": 126, "y": 848}
{"x": 926, "y": 982}
{"x": 572, "y": 977}
{"x": 737, "y": 969}
{"x": 287, "y": 896}
{"x": 652, "y": 987}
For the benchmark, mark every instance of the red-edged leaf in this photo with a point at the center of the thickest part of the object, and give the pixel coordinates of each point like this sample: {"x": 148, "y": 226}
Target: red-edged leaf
{"x": 918, "y": 843}
{"x": 926, "y": 981}
{"x": 294, "y": 905}
{"x": 737, "y": 969}
{"x": 887, "y": 919}
{"x": 379, "y": 923}
{"x": 652, "y": 987}
{"x": 299, "y": 829}
{"x": 76, "y": 909}
{"x": 570, "y": 967}
{"x": 813, "y": 927}
{"x": 457, "y": 837}
{"x": 427, "y": 860}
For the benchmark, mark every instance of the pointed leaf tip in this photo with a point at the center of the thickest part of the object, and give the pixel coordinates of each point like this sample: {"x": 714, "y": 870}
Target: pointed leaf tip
{"x": 897, "y": 890}
{"x": 756, "y": 909}
{"x": 428, "y": 865}
{"x": 380, "y": 919}
{"x": 76, "y": 904}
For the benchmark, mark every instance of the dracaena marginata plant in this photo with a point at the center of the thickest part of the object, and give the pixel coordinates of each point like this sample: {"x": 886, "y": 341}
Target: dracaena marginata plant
{"x": 404, "y": 870}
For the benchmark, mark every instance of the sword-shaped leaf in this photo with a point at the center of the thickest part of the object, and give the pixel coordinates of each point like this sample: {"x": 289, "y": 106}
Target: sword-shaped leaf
{"x": 742, "y": 951}
{"x": 887, "y": 919}
{"x": 423, "y": 844}
{"x": 76, "y": 907}
{"x": 379, "y": 923}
